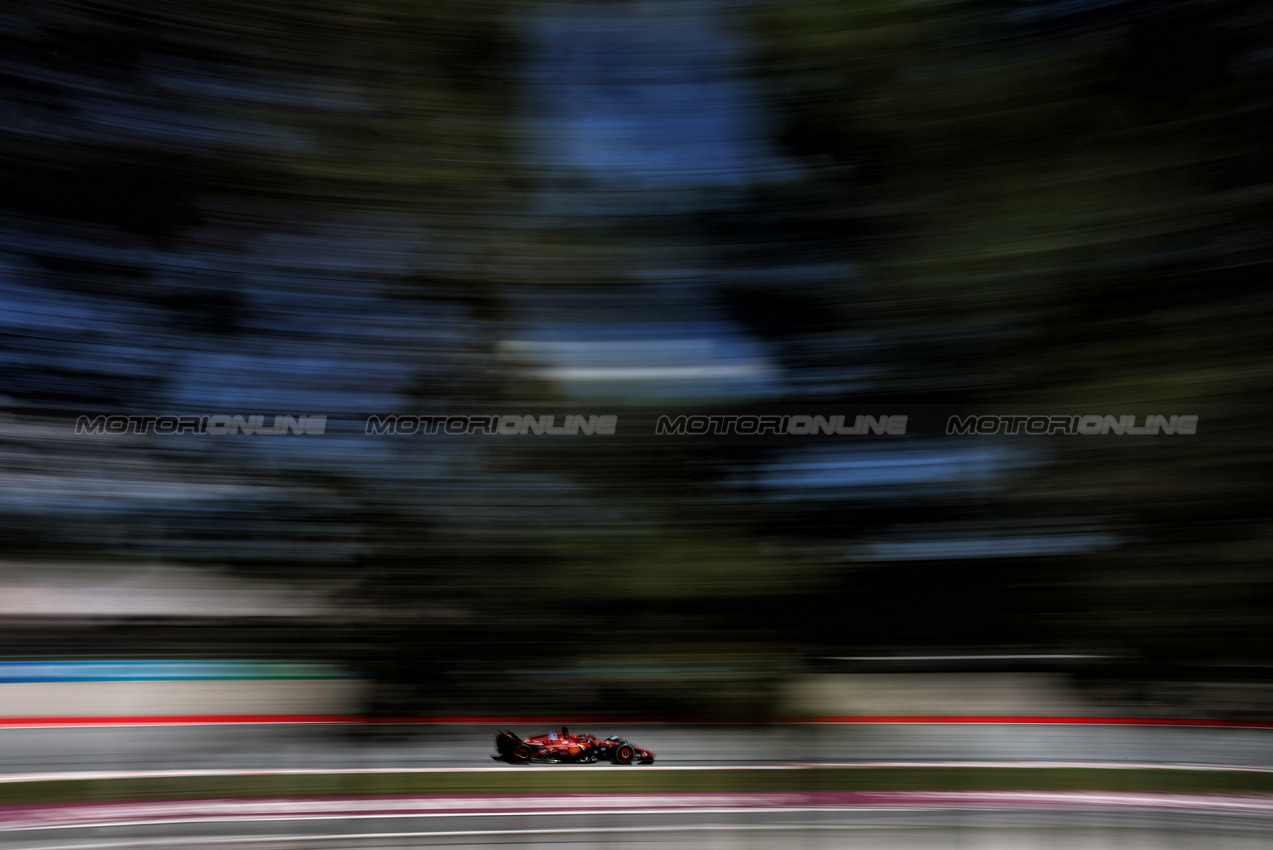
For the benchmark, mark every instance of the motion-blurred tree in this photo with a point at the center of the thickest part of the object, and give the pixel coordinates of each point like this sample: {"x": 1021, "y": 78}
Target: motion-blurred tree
{"x": 1059, "y": 209}
{"x": 1033, "y": 207}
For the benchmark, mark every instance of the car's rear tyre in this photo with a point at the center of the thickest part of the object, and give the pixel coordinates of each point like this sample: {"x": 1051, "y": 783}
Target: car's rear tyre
{"x": 521, "y": 754}
{"x": 623, "y": 754}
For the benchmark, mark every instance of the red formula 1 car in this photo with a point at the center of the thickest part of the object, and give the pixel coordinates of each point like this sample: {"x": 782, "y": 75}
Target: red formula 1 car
{"x": 564, "y": 748}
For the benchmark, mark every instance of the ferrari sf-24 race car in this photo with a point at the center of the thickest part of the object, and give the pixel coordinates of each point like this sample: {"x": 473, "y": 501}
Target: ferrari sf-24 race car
{"x": 563, "y": 747}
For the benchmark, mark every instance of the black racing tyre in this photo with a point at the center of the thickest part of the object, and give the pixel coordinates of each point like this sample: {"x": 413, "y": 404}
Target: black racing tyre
{"x": 623, "y": 754}
{"x": 521, "y": 753}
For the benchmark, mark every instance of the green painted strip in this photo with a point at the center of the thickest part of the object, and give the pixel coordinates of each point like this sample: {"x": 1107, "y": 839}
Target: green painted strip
{"x": 607, "y": 779}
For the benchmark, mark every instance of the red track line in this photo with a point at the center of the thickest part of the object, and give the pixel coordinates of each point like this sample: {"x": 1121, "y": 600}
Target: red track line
{"x": 1045, "y": 720}
{"x": 175, "y": 720}
{"x": 479, "y": 720}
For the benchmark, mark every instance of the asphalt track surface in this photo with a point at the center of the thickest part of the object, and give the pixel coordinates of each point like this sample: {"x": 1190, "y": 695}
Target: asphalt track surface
{"x": 932, "y": 824}
{"x": 323, "y": 746}
{"x": 918, "y": 822}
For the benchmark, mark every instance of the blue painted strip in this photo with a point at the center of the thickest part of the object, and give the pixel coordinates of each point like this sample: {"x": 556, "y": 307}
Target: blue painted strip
{"x": 159, "y": 671}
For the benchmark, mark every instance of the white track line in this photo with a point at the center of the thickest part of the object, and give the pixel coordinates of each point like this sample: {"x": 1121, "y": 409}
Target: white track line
{"x": 518, "y": 813}
{"x": 84, "y": 816}
{"x": 478, "y": 833}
